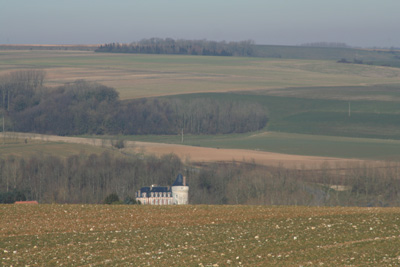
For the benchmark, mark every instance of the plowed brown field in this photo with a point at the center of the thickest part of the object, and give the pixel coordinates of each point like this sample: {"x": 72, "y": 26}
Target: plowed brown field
{"x": 132, "y": 235}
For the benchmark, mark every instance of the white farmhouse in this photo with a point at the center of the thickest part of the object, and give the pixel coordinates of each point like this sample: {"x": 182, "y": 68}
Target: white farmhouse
{"x": 177, "y": 194}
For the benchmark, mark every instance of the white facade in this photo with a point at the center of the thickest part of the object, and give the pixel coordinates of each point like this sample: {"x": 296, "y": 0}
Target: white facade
{"x": 155, "y": 198}
{"x": 180, "y": 195}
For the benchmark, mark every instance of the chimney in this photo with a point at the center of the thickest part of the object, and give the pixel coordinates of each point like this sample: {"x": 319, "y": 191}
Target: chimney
{"x": 184, "y": 180}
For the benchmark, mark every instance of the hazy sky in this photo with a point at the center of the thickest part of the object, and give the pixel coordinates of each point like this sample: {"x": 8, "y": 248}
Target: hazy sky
{"x": 364, "y": 23}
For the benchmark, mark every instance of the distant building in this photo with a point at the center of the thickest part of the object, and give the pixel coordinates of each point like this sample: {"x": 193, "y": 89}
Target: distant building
{"x": 177, "y": 194}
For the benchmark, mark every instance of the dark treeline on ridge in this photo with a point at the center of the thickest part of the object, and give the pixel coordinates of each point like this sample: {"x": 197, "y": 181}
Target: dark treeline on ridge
{"x": 89, "y": 108}
{"x": 91, "y": 178}
{"x": 181, "y": 47}
{"x": 326, "y": 44}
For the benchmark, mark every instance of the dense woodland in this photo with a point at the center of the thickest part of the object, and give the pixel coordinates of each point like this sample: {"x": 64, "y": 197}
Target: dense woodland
{"x": 89, "y": 108}
{"x": 181, "y": 47}
{"x": 91, "y": 178}
{"x": 196, "y": 116}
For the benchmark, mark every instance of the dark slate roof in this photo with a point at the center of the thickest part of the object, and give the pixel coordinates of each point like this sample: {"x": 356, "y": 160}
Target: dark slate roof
{"x": 145, "y": 189}
{"x": 158, "y": 189}
{"x": 178, "y": 181}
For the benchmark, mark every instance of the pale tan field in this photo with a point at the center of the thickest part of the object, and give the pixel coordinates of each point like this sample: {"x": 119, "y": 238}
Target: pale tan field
{"x": 195, "y": 154}
{"x": 207, "y": 155}
{"x": 137, "y": 76}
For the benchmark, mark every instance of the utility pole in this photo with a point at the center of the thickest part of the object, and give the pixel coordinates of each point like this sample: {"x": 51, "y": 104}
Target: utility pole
{"x": 4, "y": 135}
{"x": 349, "y": 110}
{"x": 3, "y": 86}
{"x": 182, "y": 135}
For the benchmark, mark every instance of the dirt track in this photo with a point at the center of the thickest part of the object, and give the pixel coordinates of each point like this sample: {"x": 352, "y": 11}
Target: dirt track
{"x": 201, "y": 154}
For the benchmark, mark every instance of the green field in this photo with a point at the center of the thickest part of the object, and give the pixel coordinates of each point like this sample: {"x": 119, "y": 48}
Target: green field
{"x": 102, "y": 235}
{"x": 368, "y": 118}
{"x": 22, "y": 148}
{"x": 318, "y": 127}
{"x": 377, "y": 56}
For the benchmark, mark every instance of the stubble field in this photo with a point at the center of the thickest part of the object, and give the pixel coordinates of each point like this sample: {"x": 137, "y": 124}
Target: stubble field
{"x": 101, "y": 235}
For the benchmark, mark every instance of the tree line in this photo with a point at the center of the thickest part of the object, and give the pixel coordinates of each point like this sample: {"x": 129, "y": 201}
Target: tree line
{"x": 194, "y": 116}
{"x": 82, "y": 107}
{"x": 181, "y": 47}
{"x": 249, "y": 184}
{"x": 91, "y": 178}
{"x": 327, "y": 44}
{"x": 84, "y": 178}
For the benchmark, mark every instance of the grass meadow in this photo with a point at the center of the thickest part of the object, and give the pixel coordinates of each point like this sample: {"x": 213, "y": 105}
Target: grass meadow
{"x": 367, "y": 56}
{"x": 102, "y": 235}
{"x": 21, "y": 147}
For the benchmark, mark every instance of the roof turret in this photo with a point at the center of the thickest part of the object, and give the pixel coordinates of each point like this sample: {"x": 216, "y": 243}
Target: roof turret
{"x": 180, "y": 181}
